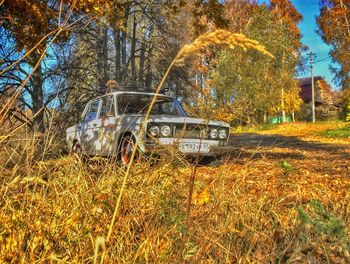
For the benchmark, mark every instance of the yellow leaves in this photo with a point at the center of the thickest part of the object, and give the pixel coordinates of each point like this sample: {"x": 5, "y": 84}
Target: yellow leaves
{"x": 206, "y": 108}
{"x": 96, "y": 7}
{"x": 202, "y": 197}
{"x": 286, "y": 13}
{"x": 325, "y": 91}
{"x": 246, "y": 205}
{"x": 9, "y": 245}
{"x": 347, "y": 118}
{"x": 195, "y": 49}
{"x": 346, "y": 104}
{"x": 201, "y": 68}
{"x": 225, "y": 113}
{"x": 307, "y": 130}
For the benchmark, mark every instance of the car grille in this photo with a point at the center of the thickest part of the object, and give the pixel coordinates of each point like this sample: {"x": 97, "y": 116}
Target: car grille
{"x": 193, "y": 131}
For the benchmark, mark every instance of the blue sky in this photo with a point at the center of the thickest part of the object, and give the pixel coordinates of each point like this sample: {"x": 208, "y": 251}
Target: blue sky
{"x": 310, "y": 9}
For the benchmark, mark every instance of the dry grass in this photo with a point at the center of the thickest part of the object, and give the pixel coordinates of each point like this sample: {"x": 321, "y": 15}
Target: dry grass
{"x": 217, "y": 37}
{"x": 249, "y": 209}
{"x": 309, "y": 131}
{"x": 273, "y": 206}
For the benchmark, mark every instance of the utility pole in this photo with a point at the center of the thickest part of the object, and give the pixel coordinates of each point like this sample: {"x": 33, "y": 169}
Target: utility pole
{"x": 282, "y": 94}
{"x": 312, "y": 57}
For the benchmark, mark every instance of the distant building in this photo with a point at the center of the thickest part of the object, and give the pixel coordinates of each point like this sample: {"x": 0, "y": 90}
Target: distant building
{"x": 305, "y": 85}
{"x": 325, "y": 99}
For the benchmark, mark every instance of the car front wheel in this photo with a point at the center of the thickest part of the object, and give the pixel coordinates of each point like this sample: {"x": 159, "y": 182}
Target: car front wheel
{"x": 77, "y": 151}
{"x": 126, "y": 148}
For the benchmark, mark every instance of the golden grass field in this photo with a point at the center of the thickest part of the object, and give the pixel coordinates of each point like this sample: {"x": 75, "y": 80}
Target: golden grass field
{"x": 280, "y": 201}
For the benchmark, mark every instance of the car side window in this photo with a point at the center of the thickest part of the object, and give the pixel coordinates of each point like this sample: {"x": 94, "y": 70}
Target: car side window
{"x": 107, "y": 108}
{"x": 91, "y": 113}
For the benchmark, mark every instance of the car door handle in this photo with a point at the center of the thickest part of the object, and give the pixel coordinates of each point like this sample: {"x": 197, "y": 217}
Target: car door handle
{"x": 94, "y": 125}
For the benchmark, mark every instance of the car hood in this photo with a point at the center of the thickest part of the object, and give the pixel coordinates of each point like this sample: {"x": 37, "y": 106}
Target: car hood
{"x": 184, "y": 120}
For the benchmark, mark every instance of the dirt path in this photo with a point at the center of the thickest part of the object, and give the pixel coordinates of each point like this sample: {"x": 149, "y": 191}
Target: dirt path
{"x": 254, "y": 140}
{"x": 311, "y": 155}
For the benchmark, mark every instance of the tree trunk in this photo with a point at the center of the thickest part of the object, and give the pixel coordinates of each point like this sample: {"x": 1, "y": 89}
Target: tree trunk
{"x": 101, "y": 49}
{"x": 104, "y": 58}
{"x": 116, "y": 34}
{"x": 143, "y": 37}
{"x": 37, "y": 96}
{"x": 132, "y": 53}
{"x": 142, "y": 64}
{"x": 282, "y": 106}
{"x": 149, "y": 74}
{"x": 124, "y": 40}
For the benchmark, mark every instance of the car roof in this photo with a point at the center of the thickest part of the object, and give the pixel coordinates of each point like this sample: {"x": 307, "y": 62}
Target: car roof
{"x": 132, "y": 92}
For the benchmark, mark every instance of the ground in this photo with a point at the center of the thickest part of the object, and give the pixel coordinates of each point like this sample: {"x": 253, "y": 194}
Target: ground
{"x": 282, "y": 195}
{"x": 298, "y": 144}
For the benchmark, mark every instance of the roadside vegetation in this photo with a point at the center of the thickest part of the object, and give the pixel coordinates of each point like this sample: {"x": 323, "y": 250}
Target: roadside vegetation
{"x": 336, "y": 129}
{"x": 337, "y": 133}
{"x": 330, "y": 132}
{"x": 264, "y": 204}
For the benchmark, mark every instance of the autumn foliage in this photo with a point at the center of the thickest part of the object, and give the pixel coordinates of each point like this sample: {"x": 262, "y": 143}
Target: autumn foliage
{"x": 285, "y": 12}
{"x": 334, "y": 27}
{"x": 278, "y": 195}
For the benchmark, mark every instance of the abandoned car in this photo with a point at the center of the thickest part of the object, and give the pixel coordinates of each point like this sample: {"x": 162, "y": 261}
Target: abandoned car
{"x": 110, "y": 125}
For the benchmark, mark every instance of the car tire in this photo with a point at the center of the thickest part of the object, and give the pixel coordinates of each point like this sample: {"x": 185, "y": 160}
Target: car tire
{"x": 126, "y": 147}
{"x": 77, "y": 151}
{"x": 76, "y": 148}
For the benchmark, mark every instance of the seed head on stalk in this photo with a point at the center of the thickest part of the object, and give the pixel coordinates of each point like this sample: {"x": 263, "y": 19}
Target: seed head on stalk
{"x": 217, "y": 37}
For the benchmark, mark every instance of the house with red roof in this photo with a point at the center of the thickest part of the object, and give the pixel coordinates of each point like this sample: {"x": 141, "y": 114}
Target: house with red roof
{"x": 326, "y": 105}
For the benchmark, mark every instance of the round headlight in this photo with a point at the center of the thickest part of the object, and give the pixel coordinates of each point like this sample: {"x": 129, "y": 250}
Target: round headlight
{"x": 222, "y": 133}
{"x": 214, "y": 133}
{"x": 165, "y": 131}
{"x": 154, "y": 131}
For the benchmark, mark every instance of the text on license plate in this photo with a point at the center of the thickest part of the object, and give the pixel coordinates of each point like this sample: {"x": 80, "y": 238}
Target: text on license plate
{"x": 194, "y": 147}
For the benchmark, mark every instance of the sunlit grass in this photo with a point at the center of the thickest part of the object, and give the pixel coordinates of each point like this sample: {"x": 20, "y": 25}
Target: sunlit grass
{"x": 335, "y": 131}
{"x": 242, "y": 211}
{"x": 343, "y": 132}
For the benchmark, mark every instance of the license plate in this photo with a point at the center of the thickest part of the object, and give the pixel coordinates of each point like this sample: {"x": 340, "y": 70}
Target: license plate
{"x": 194, "y": 147}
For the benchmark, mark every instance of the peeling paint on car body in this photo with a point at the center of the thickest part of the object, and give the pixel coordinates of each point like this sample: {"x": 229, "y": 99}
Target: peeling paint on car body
{"x": 107, "y": 118}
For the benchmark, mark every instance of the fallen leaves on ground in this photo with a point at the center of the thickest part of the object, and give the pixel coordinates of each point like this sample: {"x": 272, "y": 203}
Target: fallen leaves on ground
{"x": 272, "y": 204}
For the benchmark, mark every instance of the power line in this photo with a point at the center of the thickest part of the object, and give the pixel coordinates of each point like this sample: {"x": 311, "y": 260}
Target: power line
{"x": 324, "y": 59}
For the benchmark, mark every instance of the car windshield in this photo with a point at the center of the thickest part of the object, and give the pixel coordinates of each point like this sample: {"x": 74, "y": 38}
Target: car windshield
{"x": 138, "y": 104}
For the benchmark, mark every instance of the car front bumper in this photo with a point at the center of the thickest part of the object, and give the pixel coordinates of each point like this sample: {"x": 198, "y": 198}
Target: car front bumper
{"x": 171, "y": 146}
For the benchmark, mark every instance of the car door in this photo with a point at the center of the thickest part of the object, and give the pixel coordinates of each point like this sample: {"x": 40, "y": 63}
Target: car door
{"x": 88, "y": 128}
{"x": 107, "y": 124}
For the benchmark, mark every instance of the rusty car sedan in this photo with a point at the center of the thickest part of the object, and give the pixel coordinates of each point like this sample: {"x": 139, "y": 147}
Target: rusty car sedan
{"x": 110, "y": 125}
